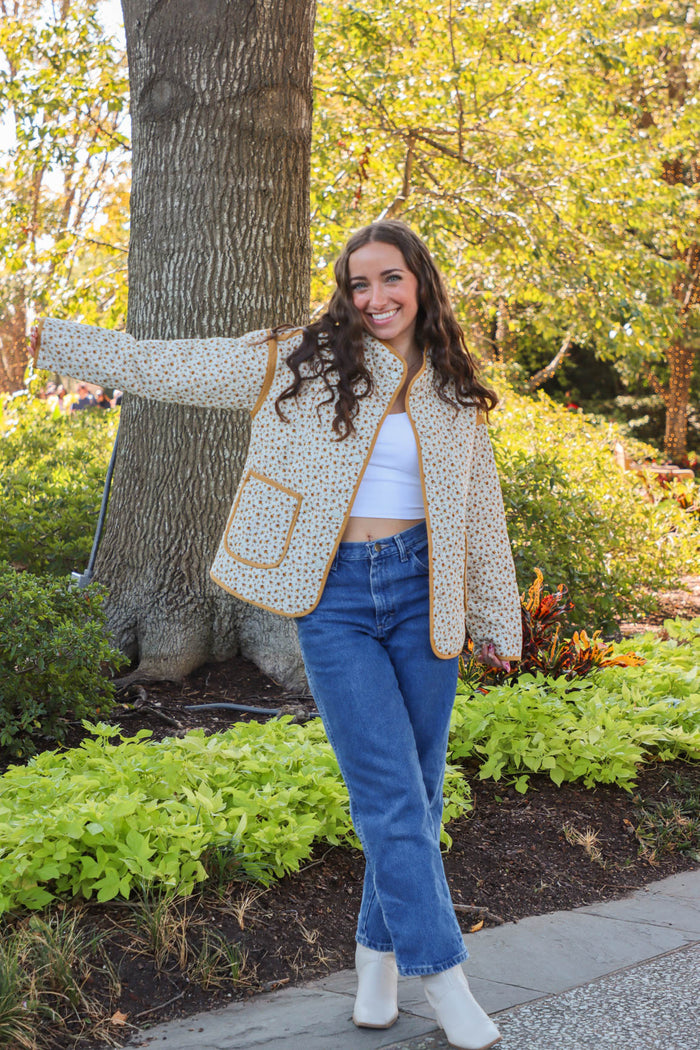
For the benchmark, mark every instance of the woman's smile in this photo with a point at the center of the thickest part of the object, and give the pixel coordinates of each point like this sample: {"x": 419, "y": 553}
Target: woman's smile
{"x": 382, "y": 318}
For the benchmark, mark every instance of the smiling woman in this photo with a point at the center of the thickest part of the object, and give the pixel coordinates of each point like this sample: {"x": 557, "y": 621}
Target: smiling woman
{"x": 385, "y": 292}
{"x": 369, "y": 510}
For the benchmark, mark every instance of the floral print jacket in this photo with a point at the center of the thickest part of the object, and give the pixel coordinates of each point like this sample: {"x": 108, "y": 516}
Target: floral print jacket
{"x": 299, "y": 481}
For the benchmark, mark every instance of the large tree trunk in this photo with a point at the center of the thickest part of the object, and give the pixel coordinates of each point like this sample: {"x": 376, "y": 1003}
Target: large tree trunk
{"x": 221, "y": 115}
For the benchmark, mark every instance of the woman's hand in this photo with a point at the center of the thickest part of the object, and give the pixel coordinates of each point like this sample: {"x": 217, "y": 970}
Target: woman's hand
{"x": 487, "y": 655}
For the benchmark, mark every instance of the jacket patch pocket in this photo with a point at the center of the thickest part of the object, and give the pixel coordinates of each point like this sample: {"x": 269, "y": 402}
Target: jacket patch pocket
{"x": 262, "y": 521}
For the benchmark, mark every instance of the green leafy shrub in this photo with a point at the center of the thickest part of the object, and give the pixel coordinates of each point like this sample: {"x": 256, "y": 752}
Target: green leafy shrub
{"x": 137, "y": 812}
{"x": 52, "y": 471}
{"x": 53, "y": 652}
{"x": 596, "y": 729}
{"x": 573, "y": 514}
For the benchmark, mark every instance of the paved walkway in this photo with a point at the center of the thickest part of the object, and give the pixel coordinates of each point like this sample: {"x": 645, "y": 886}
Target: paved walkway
{"x": 617, "y": 976}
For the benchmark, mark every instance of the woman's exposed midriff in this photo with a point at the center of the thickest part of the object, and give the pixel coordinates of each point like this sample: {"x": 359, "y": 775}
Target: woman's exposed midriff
{"x": 365, "y": 530}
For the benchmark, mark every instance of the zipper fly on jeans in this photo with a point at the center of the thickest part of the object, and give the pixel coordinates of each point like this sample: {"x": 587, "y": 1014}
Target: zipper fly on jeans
{"x": 382, "y": 589}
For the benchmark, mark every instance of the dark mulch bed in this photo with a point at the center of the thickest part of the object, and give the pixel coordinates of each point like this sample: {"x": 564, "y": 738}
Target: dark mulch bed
{"x": 510, "y": 858}
{"x": 513, "y": 856}
{"x": 683, "y": 601}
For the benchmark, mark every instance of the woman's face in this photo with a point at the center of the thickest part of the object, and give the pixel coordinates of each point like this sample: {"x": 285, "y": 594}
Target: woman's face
{"x": 385, "y": 292}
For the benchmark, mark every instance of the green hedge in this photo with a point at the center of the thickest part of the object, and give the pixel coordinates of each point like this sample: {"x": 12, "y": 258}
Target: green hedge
{"x": 576, "y": 516}
{"x": 53, "y": 659}
{"x": 52, "y": 472}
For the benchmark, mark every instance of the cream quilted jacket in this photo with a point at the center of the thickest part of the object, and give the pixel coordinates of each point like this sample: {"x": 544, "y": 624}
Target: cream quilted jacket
{"x": 298, "y": 483}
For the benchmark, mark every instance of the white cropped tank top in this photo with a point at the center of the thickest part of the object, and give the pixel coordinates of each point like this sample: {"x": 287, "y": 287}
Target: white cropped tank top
{"x": 390, "y": 486}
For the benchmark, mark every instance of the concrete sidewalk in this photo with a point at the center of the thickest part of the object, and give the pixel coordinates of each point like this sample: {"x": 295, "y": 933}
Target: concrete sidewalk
{"x": 618, "y": 976}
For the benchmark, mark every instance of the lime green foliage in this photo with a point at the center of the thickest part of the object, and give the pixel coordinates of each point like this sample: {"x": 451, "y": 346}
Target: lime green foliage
{"x": 52, "y": 471}
{"x": 579, "y": 518}
{"x": 595, "y": 729}
{"x": 53, "y": 656}
{"x": 140, "y": 812}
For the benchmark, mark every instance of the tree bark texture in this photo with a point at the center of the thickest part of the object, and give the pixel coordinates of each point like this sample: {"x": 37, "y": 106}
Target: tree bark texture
{"x": 221, "y": 119}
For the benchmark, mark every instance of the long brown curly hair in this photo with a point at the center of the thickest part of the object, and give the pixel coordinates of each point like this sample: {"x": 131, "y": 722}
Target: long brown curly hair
{"x": 332, "y": 348}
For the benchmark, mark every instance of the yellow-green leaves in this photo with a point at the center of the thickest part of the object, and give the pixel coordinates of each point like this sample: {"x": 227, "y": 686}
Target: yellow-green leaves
{"x": 106, "y": 817}
{"x": 52, "y": 469}
{"x": 596, "y": 729}
{"x": 574, "y": 514}
{"x": 63, "y": 171}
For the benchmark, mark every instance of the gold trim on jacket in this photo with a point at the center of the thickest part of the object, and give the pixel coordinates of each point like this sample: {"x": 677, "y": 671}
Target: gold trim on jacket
{"x": 299, "y": 482}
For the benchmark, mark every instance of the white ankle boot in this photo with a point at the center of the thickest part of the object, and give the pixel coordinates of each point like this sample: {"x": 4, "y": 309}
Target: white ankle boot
{"x": 376, "y": 1004}
{"x": 465, "y": 1024}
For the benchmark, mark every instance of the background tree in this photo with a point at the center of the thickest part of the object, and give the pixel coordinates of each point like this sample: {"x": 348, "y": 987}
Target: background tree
{"x": 682, "y": 353}
{"x": 221, "y": 124}
{"x": 527, "y": 142}
{"x": 62, "y": 172}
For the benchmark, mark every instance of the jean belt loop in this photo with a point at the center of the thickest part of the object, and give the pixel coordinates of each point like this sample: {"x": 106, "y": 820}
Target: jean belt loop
{"x": 398, "y": 539}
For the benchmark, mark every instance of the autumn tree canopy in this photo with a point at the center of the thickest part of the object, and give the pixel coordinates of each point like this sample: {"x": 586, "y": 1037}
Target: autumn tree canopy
{"x": 534, "y": 146}
{"x": 63, "y": 171}
{"x": 546, "y": 151}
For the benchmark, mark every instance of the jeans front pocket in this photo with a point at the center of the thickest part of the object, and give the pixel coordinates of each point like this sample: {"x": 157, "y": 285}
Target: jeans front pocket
{"x": 262, "y": 521}
{"x": 421, "y": 560}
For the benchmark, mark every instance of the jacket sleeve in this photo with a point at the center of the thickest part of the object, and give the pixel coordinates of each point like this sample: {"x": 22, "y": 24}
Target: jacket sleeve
{"x": 211, "y": 373}
{"x": 492, "y": 597}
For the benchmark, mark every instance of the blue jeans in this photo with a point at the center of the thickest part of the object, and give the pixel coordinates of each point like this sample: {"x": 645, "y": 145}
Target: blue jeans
{"x": 385, "y": 700}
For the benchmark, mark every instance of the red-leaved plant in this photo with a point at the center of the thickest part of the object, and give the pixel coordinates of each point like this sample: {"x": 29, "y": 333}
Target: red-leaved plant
{"x": 545, "y": 648}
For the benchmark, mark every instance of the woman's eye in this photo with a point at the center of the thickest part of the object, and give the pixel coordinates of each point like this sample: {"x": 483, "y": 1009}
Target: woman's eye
{"x": 394, "y": 277}
{"x": 357, "y": 287}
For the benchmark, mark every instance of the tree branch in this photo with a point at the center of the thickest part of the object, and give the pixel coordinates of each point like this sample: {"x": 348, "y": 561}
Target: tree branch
{"x": 548, "y": 371}
{"x": 397, "y": 205}
{"x": 460, "y": 105}
{"x": 104, "y": 244}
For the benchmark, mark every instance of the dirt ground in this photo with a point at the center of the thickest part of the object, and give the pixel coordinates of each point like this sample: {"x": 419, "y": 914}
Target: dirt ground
{"x": 513, "y": 856}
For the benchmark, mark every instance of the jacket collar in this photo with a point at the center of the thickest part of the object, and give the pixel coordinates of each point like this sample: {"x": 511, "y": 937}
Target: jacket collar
{"x": 385, "y": 351}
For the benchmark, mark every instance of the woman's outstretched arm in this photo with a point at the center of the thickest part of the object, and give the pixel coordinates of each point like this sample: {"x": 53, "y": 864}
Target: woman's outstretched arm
{"x": 493, "y": 603}
{"x": 210, "y": 373}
